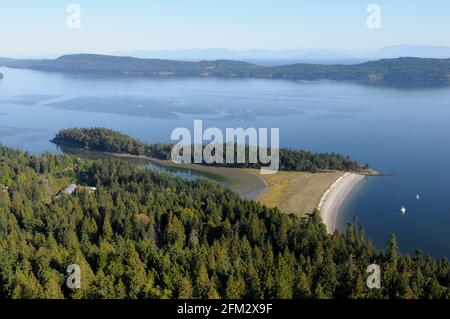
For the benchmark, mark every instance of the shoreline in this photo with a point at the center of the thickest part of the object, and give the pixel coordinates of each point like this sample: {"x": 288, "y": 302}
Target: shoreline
{"x": 243, "y": 182}
{"x": 334, "y": 196}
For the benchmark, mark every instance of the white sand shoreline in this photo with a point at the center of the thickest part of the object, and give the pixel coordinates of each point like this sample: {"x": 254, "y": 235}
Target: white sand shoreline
{"x": 333, "y": 198}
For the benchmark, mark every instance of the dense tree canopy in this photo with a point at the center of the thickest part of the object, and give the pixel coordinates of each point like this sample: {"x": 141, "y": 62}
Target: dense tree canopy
{"x": 106, "y": 140}
{"x": 144, "y": 234}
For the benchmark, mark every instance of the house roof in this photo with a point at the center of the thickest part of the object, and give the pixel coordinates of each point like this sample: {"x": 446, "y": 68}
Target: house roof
{"x": 70, "y": 189}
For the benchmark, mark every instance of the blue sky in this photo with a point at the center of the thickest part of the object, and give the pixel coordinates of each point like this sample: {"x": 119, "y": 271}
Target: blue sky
{"x": 30, "y": 27}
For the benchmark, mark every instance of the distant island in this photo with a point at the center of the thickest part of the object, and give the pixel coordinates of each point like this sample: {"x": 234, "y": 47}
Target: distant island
{"x": 406, "y": 69}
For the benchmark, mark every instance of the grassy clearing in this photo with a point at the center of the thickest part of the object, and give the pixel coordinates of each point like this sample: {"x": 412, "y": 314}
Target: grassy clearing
{"x": 295, "y": 192}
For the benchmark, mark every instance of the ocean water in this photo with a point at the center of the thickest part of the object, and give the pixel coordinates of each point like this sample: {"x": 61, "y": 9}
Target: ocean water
{"x": 397, "y": 129}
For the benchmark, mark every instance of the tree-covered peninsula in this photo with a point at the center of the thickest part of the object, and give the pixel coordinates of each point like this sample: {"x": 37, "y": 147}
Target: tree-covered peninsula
{"x": 106, "y": 140}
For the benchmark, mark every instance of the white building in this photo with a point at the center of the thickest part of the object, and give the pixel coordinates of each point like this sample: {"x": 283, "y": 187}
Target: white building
{"x": 70, "y": 189}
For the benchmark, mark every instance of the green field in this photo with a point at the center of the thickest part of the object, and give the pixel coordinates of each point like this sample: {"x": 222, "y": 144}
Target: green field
{"x": 296, "y": 192}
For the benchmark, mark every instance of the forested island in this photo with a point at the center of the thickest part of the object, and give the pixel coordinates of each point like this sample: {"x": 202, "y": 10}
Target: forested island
{"x": 144, "y": 234}
{"x": 406, "y": 69}
{"x": 106, "y": 140}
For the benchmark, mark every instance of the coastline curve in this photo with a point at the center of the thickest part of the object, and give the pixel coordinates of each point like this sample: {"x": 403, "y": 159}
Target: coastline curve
{"x": 334, "y": 196}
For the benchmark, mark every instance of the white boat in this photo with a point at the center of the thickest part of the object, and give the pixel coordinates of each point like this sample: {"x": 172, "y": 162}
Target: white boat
{"x": 403, "y": 210}
{"x": 417, "y": 196}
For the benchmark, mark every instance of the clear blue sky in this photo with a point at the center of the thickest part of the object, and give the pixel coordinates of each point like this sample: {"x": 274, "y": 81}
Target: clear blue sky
{"x": 30, "y": 27}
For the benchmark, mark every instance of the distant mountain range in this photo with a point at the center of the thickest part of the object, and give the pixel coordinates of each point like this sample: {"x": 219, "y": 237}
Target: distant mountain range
{"x": 256, "y": 55}
{"x": 272, "y": 57}
{"x": 283, "y": 56}
{"x": 400, "y": 69}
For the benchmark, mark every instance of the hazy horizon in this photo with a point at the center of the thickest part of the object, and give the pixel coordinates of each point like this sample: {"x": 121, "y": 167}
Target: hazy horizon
{"x": 31, "y": 29}
{"x": 290, "y": 54}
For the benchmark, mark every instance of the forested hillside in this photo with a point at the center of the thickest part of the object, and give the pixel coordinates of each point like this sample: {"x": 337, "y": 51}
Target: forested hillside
{"x": 401, "y": 69}
{"x": 143, "y": 234}
{"x": 106, "y": 140}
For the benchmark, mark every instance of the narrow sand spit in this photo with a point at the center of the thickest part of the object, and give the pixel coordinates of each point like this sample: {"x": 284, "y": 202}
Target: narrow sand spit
{"x": 334, "y": 196}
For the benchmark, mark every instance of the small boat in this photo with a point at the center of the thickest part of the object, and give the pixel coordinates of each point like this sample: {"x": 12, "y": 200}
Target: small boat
{"x": 403, "y": 210}
{"x": 417, "y": 196}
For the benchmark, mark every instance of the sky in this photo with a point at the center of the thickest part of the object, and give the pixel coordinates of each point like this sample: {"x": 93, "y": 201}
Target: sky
{"x": 32, "y": 28}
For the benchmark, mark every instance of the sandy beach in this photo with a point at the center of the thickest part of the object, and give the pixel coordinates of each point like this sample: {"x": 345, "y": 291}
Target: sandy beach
{"x": 332, "y": 199}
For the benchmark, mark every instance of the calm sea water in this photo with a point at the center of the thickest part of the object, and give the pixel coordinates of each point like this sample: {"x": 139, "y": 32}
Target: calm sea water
{"x": 399, "y": 130}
